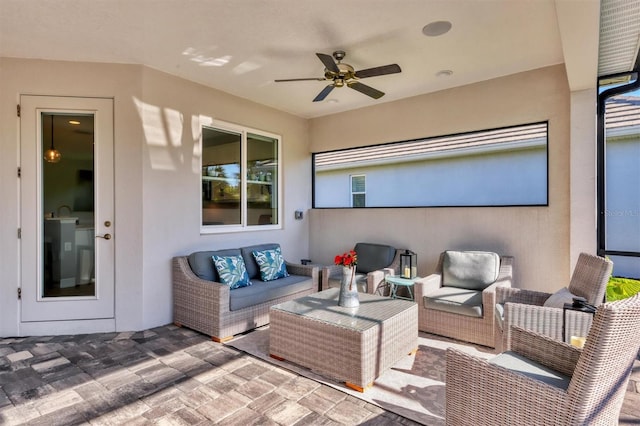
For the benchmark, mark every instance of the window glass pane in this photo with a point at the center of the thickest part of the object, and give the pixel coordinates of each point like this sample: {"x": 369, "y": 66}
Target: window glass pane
{"x": 357, "y": 183}
{"x": 68, "y": 205}
{"x": 221, "y": 189}
{"x": 499, "y": 167}
{"x": 262, "y": 180}
{"x": 358, "y": 200}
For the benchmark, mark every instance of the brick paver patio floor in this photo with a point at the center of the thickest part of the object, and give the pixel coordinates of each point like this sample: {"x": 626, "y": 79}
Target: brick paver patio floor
{"x": 174, "y": 376}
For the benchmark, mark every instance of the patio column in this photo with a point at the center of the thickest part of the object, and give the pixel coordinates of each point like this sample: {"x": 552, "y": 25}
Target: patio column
{"x": 582, "y": 186}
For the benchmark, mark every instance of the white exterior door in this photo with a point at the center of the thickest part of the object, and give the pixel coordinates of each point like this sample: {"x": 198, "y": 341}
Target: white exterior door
{"x": 66, "y": 213}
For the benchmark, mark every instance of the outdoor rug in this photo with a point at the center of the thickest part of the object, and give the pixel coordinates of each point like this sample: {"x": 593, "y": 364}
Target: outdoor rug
{"x": 413, "y": 388}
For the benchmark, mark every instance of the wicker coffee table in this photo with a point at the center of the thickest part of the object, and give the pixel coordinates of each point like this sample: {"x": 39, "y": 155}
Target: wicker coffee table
{"x": 354, "y": 345}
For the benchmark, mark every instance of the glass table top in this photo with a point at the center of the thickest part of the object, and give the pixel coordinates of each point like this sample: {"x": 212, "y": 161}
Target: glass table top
{"x": 323, "y": 306}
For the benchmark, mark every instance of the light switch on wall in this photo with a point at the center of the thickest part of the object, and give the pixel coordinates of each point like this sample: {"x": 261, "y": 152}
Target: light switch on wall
{"x": 298, "y": 215}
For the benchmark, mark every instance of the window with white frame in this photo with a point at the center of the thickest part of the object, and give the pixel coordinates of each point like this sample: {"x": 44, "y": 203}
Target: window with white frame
{"x": 240, "y": 178}
{"x": 494, "y": 167}
{"x": 358, "y": 191}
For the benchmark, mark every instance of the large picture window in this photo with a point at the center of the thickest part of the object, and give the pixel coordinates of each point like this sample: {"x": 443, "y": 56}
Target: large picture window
{"x": 497, "y": 167}
{"x": 240, "y": 179}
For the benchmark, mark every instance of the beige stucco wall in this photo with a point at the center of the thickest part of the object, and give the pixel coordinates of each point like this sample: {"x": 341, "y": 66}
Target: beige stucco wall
{"x": 157, "y": 177}
{"x": 120, "y": 82}
{"x": 171, "y": 172}
{"x": 538, "y": 237}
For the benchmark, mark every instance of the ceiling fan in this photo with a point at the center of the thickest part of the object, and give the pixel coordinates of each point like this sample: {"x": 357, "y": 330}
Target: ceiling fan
{"x": 341, "y": 74}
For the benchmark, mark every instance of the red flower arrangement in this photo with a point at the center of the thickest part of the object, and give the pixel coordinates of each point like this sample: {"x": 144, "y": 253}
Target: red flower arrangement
{"x": 347, "y": 259}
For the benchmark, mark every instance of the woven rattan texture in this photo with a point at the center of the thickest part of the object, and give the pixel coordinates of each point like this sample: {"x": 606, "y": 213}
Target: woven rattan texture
{"x": 325, "y": 342}
{"x": 479, "y": 330}
{"x": 204, "y": 305}
{"x": 478, "y": 393}
{"x": 524, "y": 308}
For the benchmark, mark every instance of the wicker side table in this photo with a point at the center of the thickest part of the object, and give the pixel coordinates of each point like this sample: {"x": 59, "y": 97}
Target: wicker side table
{"x": 354, "y": 345}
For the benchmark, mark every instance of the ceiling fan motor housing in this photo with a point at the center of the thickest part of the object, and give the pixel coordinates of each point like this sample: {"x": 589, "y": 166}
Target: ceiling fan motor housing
{"x": 346, "y": 73}
{"x": 339, "y": 55}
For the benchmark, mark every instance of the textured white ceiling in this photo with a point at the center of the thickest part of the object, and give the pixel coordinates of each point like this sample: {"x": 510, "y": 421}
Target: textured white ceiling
{"x": 241, "y": 47}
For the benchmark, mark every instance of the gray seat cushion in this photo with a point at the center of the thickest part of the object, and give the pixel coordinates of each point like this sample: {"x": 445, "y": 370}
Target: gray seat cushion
{"x": 372, "y": 257}
{"x": 474, "y": 270}
{"x": 201, "y": 263}
{"x": 261, "y": 291}
{"x": 522, "y": 365}
{"x": 559, "y": 298}
{"x": 455, "y": 300}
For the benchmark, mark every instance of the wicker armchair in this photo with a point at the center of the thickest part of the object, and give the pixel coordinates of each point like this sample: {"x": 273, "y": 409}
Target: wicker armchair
{"x": 526, "y": 308}
{"x": 477, "y": 329}
{"x": 375, "y": 261}
{"x": 547, "y": 382}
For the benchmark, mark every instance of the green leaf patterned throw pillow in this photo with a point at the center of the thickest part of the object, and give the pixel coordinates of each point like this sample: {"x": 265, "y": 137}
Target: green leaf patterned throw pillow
{"x": 232, "y": 271}
{"x": 271, "y": 264}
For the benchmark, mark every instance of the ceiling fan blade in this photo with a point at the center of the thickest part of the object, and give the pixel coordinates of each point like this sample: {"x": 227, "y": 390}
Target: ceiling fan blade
{"x": 367, "y": 90}
{"x": 324, "y": 93}
{"x": 372, "y": 72}
{"x": 328, "y": 62}
{"x": 301, "y": 79}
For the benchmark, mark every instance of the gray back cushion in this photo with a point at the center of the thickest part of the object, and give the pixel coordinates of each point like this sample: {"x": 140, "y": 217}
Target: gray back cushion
{"x": 372, "y": 257}
{"x": 250, "y": 262}
{"x": 473, "y": 270}
{"x": 201, "y": 262}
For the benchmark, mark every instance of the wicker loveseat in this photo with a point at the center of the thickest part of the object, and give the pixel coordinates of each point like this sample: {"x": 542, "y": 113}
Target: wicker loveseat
{"x": 202, "y": 303}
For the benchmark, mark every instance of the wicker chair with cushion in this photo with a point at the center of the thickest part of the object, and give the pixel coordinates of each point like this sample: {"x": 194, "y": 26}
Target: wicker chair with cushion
{"x": 457, "y": 300}
{"x": 542, "y": 312}
{"x": 542, "y": 381}
{"x": 374, "y": 262}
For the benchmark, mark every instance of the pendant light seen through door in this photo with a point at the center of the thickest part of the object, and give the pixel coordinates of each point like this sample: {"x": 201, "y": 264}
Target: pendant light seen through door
{"x": 52, "y": 155}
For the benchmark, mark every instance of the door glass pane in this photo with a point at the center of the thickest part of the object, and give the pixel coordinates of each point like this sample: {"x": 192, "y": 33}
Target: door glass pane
{"x": 262, "y": 182}
{"x": 67, "y": 205}
{"x": 221, "y": 191}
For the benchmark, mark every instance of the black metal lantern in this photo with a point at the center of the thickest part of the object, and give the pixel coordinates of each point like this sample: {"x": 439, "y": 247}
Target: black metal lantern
{"x": 408, "y": 264}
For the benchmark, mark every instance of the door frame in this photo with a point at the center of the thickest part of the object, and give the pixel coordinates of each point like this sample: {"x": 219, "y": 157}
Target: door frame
{"x": 70, "y": 314}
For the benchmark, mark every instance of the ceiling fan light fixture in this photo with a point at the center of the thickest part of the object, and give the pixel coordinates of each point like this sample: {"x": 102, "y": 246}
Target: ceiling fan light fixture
{"x": 436, "y": 28}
